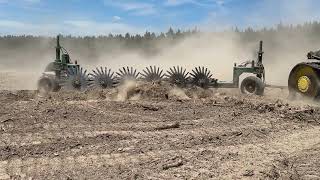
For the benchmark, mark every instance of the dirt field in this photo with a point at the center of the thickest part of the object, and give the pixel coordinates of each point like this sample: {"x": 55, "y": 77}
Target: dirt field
{"x": 157, "y": 134}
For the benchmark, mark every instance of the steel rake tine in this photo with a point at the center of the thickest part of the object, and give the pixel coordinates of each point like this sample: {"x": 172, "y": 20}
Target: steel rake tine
{"x": 169, "y": 74}
{"x": 90, "y": 74}
{"x": 144, "y": 74}
{"x": 209, "y": 72}
{"x": 112, "y": 75}
{"x": 175, "y": 70}
{"x": 184, "y": 73}
{"x": 83, "y": 77}
{"x": 131, "y": 71}
{"x": 152, "y": 70}
{"x": 81, "y": 71}
{"x": 193, "y": 74}
{"x": 102, "y": 72}
{"x": 161, "y": 75}
{"x": 136, "y": 73}
{"x": 84, "y": 71}
{"x": 178, "y": 68}
{"x": 120, "y": 73}
{"x": 125, "y": 72}
{"x": 128, "y": 70}
{"x": 109, "y": 73}
{"x": 155, "y": 70}
{"x": 198, "y": 70}
{"x": 172, "y": 71}
{"x": 148, "y": 70}
{"x": 95, "y": 73}
{"x": 98, "y": 70}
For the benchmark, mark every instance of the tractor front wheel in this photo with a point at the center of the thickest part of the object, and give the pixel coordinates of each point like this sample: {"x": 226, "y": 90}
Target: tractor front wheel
{"x": 304, "y": 80}
{"x": 252, "y": 85}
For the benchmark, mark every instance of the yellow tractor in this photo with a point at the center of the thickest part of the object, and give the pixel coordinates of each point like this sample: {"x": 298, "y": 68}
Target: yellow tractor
{"x": 304, "y": 78}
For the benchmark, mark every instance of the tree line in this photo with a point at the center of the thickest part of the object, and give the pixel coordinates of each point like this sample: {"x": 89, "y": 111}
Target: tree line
{"x": 148, "y": 43}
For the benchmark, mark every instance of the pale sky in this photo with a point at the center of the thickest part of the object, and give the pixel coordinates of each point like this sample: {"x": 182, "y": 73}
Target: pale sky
{"x": 101, "y": 17}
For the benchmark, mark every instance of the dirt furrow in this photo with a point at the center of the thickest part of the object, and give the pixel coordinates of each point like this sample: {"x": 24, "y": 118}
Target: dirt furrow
{"x": 35, "y": 167}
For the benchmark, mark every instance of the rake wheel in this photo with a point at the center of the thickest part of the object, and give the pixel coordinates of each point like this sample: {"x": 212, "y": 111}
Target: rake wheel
{"x": 201, "y": 77}
{"x": 77, "y": 79}
{"x": 178, "y": 76}
{"x": 102, "y": 78}
{"x": 152, "y": 74}
{"x": 127, "y": 73}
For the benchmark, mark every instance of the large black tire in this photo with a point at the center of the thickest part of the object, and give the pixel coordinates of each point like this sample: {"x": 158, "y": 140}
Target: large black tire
{"x": 47, "y": 84}
{"x": 308, "y": 72}
{"x": 252, "y": 85}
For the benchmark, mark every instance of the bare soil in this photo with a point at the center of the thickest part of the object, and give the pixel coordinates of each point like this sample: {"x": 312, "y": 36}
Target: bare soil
{"x": 153, "y": 132}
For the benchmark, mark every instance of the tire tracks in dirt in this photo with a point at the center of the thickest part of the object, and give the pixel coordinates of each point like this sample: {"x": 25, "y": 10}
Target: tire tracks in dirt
{"x": 249, "y": 154}
{"x": 143, "y": 131}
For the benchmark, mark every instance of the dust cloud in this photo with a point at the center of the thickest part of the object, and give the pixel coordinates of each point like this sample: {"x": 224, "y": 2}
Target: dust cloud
{"x": 216, "y": 51}
{"x": 178, "y": 93}
{"x": 219, "y": 53}
{"x": 22, "y": 65}
{"x": 126, "y": 91}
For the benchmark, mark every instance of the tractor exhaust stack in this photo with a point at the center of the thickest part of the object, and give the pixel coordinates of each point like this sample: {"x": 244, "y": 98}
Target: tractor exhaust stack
{"x": 260, "y": 53}
{"x": 58, "y": 50}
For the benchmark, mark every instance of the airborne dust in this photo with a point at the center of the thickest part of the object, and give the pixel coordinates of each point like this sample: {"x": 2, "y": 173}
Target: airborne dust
{"x": 22, "y": 65}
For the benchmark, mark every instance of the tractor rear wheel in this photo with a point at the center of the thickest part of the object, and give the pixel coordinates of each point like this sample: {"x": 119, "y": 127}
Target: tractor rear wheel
{"x": 304, "y": 80}
{"x": 47, "y": 84}
{"x": 252, "y": 85}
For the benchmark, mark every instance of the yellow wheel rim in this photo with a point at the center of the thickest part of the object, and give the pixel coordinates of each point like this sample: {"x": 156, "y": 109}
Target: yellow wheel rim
{"x": 304, "y": 83}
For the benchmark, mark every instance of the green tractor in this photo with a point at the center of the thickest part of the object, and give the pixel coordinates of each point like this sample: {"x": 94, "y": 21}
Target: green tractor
{"x": 62, "y": 73}
{"x": 304, "y": 78}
